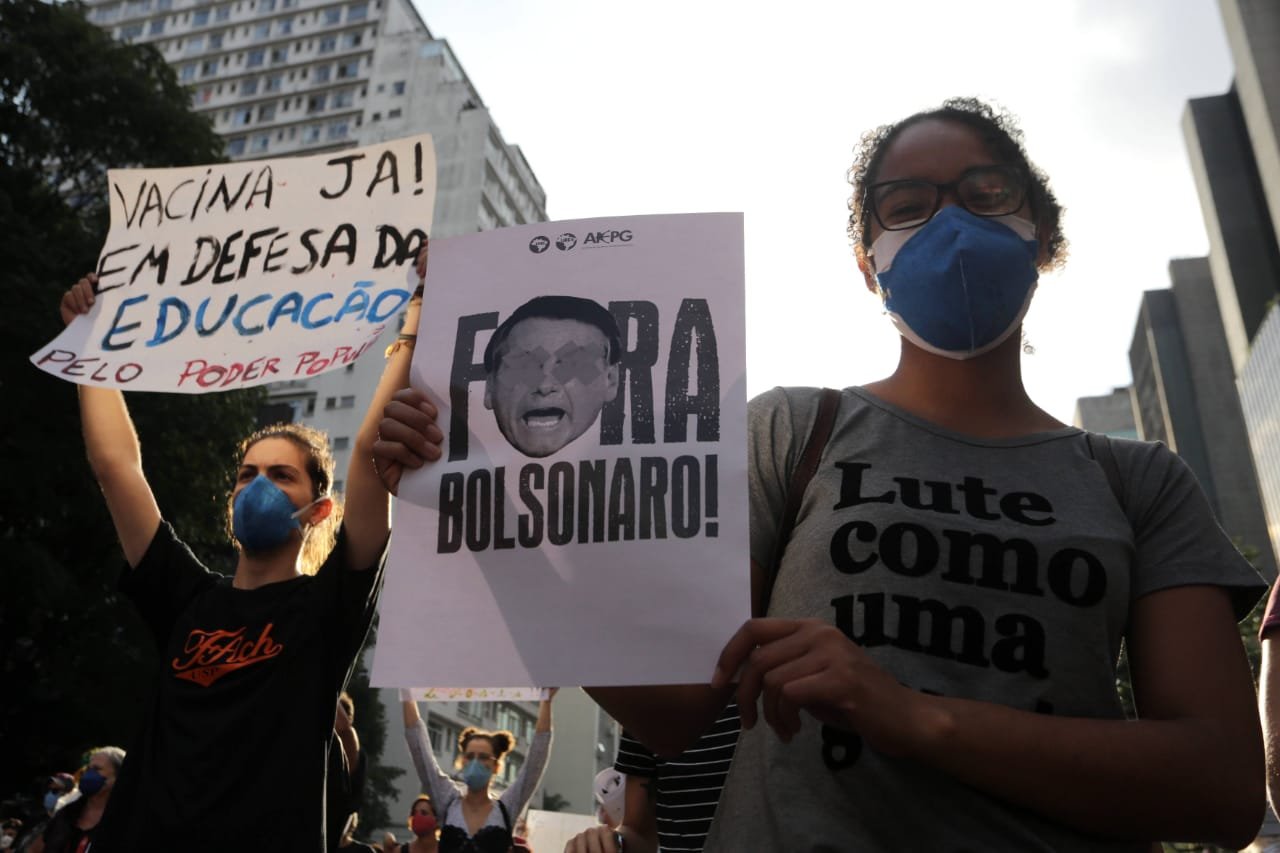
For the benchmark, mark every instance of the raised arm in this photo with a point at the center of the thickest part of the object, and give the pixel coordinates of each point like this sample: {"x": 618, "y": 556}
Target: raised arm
{"x": 430, "y": 776}
{"x": 112, "y": 446}
{"x": 368, "y": 503}
{"x": 516, "y": 797}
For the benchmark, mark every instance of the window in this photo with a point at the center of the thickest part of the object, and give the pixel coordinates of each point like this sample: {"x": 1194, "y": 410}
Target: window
{"x": 285, "y": 25}
{"x": 332, "y": 16}
{"x": 222, "y": 13}
{"x": 200, "y": 17}
{"x": 260, "y": 143}
{"x": 397, "y": 88}
{"x": 130, "y": 32}
{"x": 205, "y": 94}
{"x": 357, "y": 11}
{"x": 235, "y": 147}
{"x": 350, "y": 40}
{"x": 376, "y": 117}
{"x": 157, "y": 27}
{"x": 394, "y": 113}
{"x": 261, "y": 31}
{"x": 349, "y": 69}
{"x": 321, "y": 74}
{"x": 328, "y": 44}
{"x": 265, "y": 6}
{"x": 215, "y": 41}
{"x": 241, "y": 118}
{"x": 162, "y": 5}
{"x": 249, "y": 87}
{"x": 311, "y": 134}
{"x": 315, "y": 103}
{"x": 279, "y": 55}
{"x": 343, "y": 99}
{"x": 341, "y": 442}
{"x": 338, "y": 130}
{"x": 266, "y": 112}
{"x": 330, "y": 403}
{"x": 255, "y": 58}
{"x": 273, "y": 83}
{"x": 195, "y": 44}
{"x": 208, "y": 68}
{"x": 188, "y": 72}
{"x": 347, "y": 402}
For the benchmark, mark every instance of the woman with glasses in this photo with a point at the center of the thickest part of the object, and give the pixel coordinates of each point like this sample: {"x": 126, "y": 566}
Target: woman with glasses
{"x": 936, "y": 666}
{"x": 470, "y": 819}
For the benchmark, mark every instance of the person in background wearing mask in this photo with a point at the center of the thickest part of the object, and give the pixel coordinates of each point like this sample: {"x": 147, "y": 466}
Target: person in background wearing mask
{"x": 9, "y": 832}
{"x": 936, "y": 669}
{"x": 60, "y": 785}
{"x": 423, "y": 825}
{"x": 471, "y": 821}
{"x": 74, "y": 828}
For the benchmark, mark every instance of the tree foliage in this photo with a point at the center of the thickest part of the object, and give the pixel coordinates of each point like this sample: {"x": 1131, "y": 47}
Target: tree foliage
{"x": 74, "y": 658}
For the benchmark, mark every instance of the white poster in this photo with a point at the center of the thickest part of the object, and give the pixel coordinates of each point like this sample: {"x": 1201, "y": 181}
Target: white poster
{"x": 238, "y": 274}
{"x": 474, "y": 694}
{"x": 587, "y": 524}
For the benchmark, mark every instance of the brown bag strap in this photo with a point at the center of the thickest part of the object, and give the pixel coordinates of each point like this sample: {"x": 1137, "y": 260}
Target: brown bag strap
{"x": 808, "y": 466}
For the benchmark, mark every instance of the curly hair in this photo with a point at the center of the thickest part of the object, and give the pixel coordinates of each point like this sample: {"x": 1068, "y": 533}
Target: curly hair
{"x": 1000, "y": 133}
{"x": 314, "y": 444}
{"x": 502, "y": 742}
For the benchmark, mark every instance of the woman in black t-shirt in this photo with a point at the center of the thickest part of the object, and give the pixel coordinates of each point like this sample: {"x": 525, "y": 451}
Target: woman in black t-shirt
{"x": 252, "y": 665}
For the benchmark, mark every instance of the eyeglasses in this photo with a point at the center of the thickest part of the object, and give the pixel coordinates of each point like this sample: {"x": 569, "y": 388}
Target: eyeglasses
{"x": 477, "y": 756}
{"x": 982, "y": 190}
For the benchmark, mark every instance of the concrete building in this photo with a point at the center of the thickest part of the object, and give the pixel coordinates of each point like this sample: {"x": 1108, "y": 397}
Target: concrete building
{"x": 1260, "y": 400}
{"x": 1242, "y": 243}
{"x": 1185, "y": 396}
{"x": 286, "y": 77}
{"x": 1110, "y": 414}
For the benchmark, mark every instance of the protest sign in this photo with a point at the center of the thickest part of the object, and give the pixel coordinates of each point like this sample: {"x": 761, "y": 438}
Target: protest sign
{"x": 474, "y": 694}
{"x": 587, "y": 522}
{"x": 237, "y": 274}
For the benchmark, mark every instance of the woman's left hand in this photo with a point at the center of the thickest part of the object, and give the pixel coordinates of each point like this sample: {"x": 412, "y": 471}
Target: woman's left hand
{"x": 792, "y": 665}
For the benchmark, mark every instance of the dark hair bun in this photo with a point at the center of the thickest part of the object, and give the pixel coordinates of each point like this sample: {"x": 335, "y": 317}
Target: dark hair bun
{"x": 502, "y": 743}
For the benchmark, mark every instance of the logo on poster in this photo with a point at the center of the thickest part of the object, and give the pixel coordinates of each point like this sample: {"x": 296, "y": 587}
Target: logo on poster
{"x": 602, "y": 239}
{"x": 566, "y": 241}
{"x": 539, "y": 244}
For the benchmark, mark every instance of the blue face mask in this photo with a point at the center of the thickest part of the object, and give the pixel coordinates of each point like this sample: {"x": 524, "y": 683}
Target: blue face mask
{"x": 476, "y": 775}
{"x": 50, "y": 800}
{"x": 91, "y": 782}
{"x": 262, "y": 516}
{"x": 959, "y": 284}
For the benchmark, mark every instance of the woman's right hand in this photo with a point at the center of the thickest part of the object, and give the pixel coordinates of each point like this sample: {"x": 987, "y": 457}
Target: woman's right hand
{"x": 78, "y": 299}
{"x": 407, "y": 436}
{"x": 597, "y": 839}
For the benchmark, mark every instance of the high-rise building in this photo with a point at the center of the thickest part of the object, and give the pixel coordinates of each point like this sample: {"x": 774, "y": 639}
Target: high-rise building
{"x": 1185, "y": 396}
{"x": 1110, "y": 414}
{"x": 285, "y": 77}
{"x": 1242, "y": 241}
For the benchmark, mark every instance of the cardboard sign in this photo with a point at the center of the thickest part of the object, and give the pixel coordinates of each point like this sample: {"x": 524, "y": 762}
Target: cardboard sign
{"x": 588, "y": 521}
{"x": 238, "y": 274}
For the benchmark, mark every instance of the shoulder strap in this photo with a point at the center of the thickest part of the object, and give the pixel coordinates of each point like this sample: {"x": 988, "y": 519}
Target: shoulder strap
{"x": 1100, "y": 450}
{"x": 506, "y": 817}
{"x": 807, "y": 467}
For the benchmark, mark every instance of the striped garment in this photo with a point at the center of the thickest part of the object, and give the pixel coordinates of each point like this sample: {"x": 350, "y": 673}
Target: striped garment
{"x": 687, "y": 787}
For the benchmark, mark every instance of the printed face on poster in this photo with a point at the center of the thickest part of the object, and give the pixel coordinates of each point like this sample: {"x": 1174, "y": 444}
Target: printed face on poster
{"x": 238, "y": 274}
{"x": 587, "y": 522}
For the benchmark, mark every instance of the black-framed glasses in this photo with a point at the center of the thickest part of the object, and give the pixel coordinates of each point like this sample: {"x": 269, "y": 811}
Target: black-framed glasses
{"x": 982, "y": 190}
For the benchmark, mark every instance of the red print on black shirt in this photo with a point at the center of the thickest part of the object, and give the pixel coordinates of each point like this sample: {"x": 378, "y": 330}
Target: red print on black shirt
{"x": 213, "y": 654}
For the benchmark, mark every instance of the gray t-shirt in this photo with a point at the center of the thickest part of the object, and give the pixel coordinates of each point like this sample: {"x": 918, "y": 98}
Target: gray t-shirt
{"x": 999, "y": 570}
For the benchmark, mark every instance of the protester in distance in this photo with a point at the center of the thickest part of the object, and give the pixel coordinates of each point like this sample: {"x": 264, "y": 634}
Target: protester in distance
{"x": 347, "y": 841}
{"x": 470, "y": 818}
{"x": 74, "y": 828}
{"x": 345, "y": 773}
{"x": 937, "y": 666}
{"x": 610, "y": 792}
{"x": 252, "y": 665}
{"x": 424, "y": 826}
{"x": 10, "y": 830}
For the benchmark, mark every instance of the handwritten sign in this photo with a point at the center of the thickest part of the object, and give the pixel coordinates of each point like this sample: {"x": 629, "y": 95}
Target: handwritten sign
{"x": 237, "y": 274}
{"x": 474, "y": 694}
{"x": 587, "y": 523}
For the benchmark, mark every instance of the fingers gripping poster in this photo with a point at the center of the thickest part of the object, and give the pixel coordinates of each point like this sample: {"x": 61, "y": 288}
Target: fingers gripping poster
{"x": 238, "y": 274}
{"x": 586, "y": 524}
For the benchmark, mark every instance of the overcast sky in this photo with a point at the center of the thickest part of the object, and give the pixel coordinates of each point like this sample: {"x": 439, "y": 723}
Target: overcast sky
{"x": 680, "y": 107}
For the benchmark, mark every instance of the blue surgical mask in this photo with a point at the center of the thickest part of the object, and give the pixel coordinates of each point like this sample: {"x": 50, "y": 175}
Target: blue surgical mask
{"x": 262, "y": 516}
{"x": 50, "y": 800}
{"x": 91, "y": 782}
{"x": 960, "y": 284}
{"x": 476, "y": 775}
